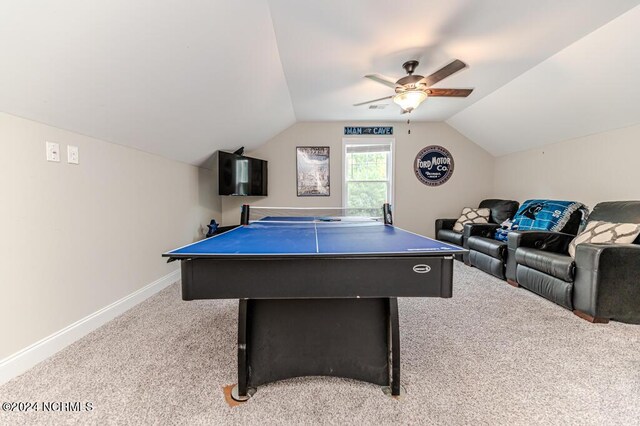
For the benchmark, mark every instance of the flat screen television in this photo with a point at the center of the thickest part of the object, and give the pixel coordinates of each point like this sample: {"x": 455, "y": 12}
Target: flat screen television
{"x": 240, "y": 175}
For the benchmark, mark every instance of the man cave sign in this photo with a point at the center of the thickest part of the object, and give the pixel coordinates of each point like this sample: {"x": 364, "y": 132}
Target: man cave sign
{"x": 433, "y": 165}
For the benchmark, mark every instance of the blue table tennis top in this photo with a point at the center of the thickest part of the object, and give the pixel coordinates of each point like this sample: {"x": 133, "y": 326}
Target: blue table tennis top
{"x": 313, "y": 236}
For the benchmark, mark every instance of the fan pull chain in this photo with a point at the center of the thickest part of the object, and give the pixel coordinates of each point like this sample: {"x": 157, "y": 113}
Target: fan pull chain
{"x": 408, "y": 123}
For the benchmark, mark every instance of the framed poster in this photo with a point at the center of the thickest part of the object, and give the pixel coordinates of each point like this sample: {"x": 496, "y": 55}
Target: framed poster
{"x": 312, "y": 171}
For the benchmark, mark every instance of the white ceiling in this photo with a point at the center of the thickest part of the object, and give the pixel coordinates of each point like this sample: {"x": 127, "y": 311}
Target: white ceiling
{"x": 184, "y": 78}
{"x": 590, "y": 87}
{"x": 177, "y": 78}
{"x": 326, "y": 47}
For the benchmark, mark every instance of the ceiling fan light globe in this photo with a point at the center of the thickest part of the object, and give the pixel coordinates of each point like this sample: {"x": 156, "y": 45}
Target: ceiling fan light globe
{"x": 410, "y": 99}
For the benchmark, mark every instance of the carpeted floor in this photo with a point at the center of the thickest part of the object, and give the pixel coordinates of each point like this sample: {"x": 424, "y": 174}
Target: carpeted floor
{"x": 492, "y": 354}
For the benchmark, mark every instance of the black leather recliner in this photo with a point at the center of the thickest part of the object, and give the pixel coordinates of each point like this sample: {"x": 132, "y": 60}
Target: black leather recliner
{"x": 491, "y": 255}
{"x": 602, "y": 283}
{"x": 501, "y": 210}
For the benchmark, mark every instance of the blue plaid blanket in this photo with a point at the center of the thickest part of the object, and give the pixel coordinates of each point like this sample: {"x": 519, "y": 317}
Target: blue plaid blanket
{"x": 540, "y": 215}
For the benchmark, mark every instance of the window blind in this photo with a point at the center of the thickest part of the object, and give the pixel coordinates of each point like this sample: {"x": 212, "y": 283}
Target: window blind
{"x": 361, "y": 149}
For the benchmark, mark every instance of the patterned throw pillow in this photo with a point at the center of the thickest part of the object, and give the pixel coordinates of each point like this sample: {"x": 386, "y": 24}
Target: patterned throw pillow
{"x": 605, "y": 232}
{"x": 470, "y": 215}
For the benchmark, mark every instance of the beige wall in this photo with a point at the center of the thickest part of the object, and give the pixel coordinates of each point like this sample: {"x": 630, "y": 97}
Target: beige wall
{"x": 589, "y": 169}
{"x": 77, "y": 238}
{"x": 416, "y": 205}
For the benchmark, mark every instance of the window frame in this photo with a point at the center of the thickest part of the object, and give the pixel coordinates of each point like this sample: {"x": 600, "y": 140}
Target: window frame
{"x": 390, "y": 166}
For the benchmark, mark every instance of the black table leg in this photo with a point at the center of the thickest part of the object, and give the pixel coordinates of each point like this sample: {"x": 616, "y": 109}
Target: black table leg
{"x": 240, "y": 392}
{"x": 394, "y": 343}
{"x": 284, "y": 338}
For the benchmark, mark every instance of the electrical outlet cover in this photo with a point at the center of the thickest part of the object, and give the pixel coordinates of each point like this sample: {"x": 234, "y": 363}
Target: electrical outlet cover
{"x": 73, "y": 156}
{"x": 53, "y": 152}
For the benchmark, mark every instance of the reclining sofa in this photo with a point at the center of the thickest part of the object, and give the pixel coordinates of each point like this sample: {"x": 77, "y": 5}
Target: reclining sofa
{"x": 501, "y": 210}
{"x": 600, "y": 284}
{"x": 491, "y": 255}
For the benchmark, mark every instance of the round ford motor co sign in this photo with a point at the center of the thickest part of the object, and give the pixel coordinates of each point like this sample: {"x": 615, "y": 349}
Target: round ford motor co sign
{"x": 433, "y": 165}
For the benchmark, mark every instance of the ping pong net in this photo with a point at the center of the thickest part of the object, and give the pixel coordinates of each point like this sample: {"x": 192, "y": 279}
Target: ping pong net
{"x": 251, "y": 214}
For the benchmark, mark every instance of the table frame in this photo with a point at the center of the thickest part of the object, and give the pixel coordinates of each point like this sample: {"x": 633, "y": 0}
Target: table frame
{"x": 354, "y": 338}
{"x": 329, "y": 315}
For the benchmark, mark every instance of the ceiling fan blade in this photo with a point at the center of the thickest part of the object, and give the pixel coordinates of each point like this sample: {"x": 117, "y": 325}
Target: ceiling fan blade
{"x": 379, "y": 78}
{"x": 458, "y": 93}
{"x": 444, "y": 72}
{"x": 375, "y": 100}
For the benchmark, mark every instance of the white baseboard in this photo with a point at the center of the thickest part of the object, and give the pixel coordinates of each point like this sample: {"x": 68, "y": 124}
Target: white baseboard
{"x": 21, "y": 361}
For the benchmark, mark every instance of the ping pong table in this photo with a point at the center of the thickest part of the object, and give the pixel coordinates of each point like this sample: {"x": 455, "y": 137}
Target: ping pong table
{"x": 318, "y": 296}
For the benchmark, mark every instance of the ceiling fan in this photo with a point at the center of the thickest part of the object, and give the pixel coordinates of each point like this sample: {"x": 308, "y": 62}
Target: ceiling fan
{"x": 412, "y": 90}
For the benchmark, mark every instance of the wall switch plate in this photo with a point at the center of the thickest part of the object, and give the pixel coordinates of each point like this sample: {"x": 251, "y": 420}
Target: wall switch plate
{"x": 73, "y": 156}
{"x": 53, "y": 152}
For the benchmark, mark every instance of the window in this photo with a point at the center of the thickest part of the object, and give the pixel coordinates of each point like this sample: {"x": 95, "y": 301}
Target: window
{"x": 368, "y": 174}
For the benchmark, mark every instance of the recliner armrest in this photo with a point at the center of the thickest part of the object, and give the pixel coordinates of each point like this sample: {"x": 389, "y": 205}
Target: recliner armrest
{"x": 444, "y": 224}
{"x": 480, "y": 229}
{"x": 597, "y": 256}
{"x": 557, "y": 242}
{"x": 607, "y": 284}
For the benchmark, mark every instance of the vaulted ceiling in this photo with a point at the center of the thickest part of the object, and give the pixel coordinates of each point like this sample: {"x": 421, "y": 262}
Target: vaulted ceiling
{"x": 184, "y": 78}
